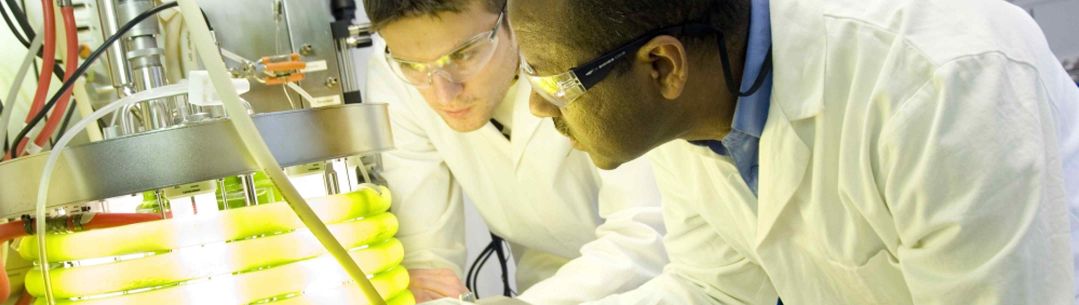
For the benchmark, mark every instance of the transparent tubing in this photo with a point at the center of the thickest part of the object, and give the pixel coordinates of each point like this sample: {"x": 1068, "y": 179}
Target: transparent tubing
{"x": 54, "y": 156}
{"x": 207, "y": 50}
{"x": 14, "y": 91}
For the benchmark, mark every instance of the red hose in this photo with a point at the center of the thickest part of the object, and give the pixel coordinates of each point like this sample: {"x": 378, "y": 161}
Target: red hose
{"x": 71, "y": 63}
{"x": 48, "y": 57}
{"x": 16, "y": 229}
{"x": 48, "y": 62}
{"x": 25, "y": 299}
{"x": 19, "y": 147}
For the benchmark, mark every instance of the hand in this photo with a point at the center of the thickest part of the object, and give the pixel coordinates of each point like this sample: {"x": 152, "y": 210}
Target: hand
{"x": 432, "y": 284}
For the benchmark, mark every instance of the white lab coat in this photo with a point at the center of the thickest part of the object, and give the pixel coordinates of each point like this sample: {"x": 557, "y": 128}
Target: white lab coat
{"x": 602, "y": 228}
{"x": 916, "y": 152}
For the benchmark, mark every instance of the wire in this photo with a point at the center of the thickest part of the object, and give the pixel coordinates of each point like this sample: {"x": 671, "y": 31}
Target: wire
{"x": 477, "y": 266}
{"x": 17, "y": 11}
{"x": 89, "y": 61}
{"x": 67, "y": 120}
{"x": 14, "y": 31}
{"x": 48, "y": 61}
{"x": 495, "y": 247}
{"x": 20, "y": 17}
{"x": 503, "y": 261}
{"x": 16, "y": 83}
{"x": 72, "y": 60}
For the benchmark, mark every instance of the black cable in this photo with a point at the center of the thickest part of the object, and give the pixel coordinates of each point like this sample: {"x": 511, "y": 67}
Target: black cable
{"x": 480, "y": 261}
{"x": 86, "y": 66}
{"x": 20, "y": 17}
{"x": 495, "y": 247}
{"x": 473, "y": 271}
{"x": 11, "y": 26}
{"x": 67, "y": 120}
{"x": 728, "y": 76}
{"x": 503, "y": 261}
{"x": 469, "y": 282}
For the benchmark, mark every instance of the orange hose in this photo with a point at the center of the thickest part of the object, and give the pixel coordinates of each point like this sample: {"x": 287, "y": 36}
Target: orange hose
{"x": 48, "y": 62}
{"x": 71, "y": 63}
{"x": 102, "y": 221}
{"x": 48, "y": 57}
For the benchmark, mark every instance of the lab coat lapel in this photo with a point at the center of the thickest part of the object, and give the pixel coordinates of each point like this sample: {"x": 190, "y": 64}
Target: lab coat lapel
{"x": 784, "y": 159}
{"x": 525, "y": 124}
{"x": 797, "y": 95}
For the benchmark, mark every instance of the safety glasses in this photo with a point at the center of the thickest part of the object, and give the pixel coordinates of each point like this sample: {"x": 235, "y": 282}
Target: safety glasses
{"x": 455, "y": 66}
{"x": 561, "y": 89}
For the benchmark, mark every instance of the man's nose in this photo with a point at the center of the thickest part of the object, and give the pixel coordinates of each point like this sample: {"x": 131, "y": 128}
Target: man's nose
{"x": 541, "y": 107}
{"x": 445, "y": 90}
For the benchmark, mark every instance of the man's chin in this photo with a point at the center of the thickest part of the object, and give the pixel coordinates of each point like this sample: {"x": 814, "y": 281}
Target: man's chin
{"x": 460, "y": 125}
{"x": 604, "y": 163}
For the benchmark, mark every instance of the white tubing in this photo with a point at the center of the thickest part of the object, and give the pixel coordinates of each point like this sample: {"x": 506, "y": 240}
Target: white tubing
{"x": 54, "y": 155}
{"x": 82, "y": 103}
{"x": 303, "y": 93}
{"x": 207, "y": 50}
{"x": 31, "y": 53}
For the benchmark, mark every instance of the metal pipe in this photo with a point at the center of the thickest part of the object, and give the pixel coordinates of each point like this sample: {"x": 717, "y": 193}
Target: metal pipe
{"x": 117, "y": 60}
{"x": 144, "y": 57}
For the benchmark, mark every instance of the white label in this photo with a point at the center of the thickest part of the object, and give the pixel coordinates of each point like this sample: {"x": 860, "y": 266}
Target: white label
{"x": 314, "y": 66}
{"x": 325, "y": 101}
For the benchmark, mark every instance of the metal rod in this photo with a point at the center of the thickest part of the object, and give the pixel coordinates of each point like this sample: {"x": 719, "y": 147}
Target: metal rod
{"x": 250, "y": 194}
{"x": 329, "y": 179}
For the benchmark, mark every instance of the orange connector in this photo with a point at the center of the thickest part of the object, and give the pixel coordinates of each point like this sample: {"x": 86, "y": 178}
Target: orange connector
{"x": 282, "y": 69}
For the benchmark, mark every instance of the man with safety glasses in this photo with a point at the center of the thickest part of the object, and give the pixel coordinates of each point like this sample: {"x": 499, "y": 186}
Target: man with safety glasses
{"x": 462, "y": 128}
{"x": 826, "y": 151}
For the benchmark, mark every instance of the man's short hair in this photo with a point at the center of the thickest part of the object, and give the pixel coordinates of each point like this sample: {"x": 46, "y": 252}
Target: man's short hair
{"x": 383, "y": 12}
{"x": 601, "y": 25}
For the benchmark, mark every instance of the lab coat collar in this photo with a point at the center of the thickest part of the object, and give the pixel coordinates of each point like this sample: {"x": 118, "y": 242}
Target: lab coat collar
{"x": 798, "y": 47}
{"x": 524, "y": 123}
{"x": 798, "y": 94}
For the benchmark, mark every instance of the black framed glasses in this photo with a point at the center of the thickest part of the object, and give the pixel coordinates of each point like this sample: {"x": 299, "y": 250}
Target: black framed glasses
{"x": 561, "y": 89}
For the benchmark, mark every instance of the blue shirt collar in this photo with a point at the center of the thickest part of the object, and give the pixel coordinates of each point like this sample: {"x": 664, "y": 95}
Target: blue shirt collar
{"x": 742, "y": 144}
{"x": 751, "y": 112}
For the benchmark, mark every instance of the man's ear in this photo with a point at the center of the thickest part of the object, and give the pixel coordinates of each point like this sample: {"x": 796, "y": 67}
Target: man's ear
{"x": 665, "y": 57}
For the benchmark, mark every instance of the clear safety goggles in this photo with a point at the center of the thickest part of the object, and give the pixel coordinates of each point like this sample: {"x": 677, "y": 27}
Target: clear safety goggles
{"x": 455, "y": 66}
{"x": 561, "y": 89}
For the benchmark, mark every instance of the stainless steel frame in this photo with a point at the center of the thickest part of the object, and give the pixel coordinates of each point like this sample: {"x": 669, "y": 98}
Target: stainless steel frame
{"x": 200, "y": 152}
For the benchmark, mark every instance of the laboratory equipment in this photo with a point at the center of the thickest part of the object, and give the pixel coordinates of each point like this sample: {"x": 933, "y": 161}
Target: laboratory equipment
{"x": 177, "y": 205}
